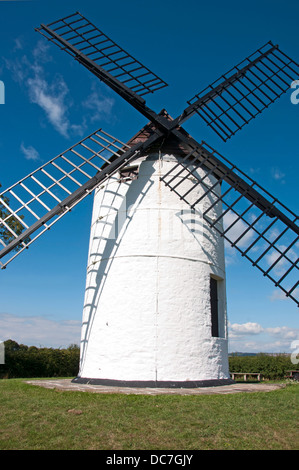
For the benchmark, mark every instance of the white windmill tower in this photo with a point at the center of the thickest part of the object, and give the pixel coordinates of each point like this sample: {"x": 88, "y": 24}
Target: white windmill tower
{"x": 155, "y": 302}
{"x": 158, "y": 328}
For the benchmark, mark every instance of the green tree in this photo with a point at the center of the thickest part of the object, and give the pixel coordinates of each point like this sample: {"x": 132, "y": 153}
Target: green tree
{"x": 11, "y": 345}
{"x": 9, "y": 224}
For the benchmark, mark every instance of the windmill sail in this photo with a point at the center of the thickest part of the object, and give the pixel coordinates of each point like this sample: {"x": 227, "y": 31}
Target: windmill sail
{"x": 102, "y": 56}
{"x": 261, "y": 228}
{"x": 39, "y": 200}
{"x": 238, "y": 96}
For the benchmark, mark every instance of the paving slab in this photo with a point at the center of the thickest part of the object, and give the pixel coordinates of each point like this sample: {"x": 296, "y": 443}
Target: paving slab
{"x": 68, "y": 385}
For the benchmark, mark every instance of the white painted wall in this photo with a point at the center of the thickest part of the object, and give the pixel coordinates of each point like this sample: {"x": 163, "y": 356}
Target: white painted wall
{"x": 147, "y": 303}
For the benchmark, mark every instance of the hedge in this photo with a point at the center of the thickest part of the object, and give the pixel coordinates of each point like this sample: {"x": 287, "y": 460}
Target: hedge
{"x": 24, "y": 361}
{"x": 271, "y": 367}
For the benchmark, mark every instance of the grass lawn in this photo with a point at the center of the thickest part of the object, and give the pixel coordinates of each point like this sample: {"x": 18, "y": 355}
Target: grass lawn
{"x": 35, "y": 418}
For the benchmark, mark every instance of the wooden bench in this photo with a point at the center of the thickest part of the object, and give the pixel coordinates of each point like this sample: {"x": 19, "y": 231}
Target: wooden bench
{"x": 293, "y": 374}
{"x": 245, "y": 375}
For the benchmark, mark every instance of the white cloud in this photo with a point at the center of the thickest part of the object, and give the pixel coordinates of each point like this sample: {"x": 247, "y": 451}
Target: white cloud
{"x": 273, "y": 234}
{"x": 100, "y": 105}
{"x": 18, "y": 44}
{"x": 237, "y": 229}
{"x": 30, "y": 152}
{"x": 41, "y": 52}
{"x": 253, "y": 171}
{"x": 278, "y": 175}
{"x": 246, "y": 328}
{"x": 39, "y": 331}
{"x": 281, "y": 265}
{"x": 51, "y": 98}
{"x": 278, "y": 294}
{"x": 266, "y": 339}
{"x": 283, "y": 331}
{"x": 18, "y": 69}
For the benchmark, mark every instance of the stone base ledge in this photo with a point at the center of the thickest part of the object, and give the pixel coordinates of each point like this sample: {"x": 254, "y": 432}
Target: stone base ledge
{"x": 153, "y": 383}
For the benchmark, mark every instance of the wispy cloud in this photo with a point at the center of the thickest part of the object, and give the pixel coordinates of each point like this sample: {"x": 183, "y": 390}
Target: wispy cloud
{"x": 100, "y": 105}
{"x": 18, "y": 44}
{"x": 254, "y": 171}
{"x": 53, "y": 96}
{"x": 246, "y": 328}
{"x": 253, "y": 337}
{"x": 39, "y": 331}
{"x": 278, "y": 175}
{"x": 278, "y": 260}
{"x": 279, "y": 295}
{"x": 30, "y": 152}
{"x": 238, "y": 228}
{"x": 251, "y": 328}
{"x": 283, "y": 331}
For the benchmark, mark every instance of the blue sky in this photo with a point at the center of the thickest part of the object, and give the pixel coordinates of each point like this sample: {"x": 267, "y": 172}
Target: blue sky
{"x": 189, "y": 44}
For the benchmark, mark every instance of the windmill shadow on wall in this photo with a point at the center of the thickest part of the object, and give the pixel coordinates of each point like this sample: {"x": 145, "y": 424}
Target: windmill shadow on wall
{"x": 104, "y": 243}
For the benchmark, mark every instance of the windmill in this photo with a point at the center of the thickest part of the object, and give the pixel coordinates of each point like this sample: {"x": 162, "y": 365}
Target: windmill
{"x": 164, "y": 206}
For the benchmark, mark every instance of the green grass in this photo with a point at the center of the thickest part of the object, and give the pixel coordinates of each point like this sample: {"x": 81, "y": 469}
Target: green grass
{"x": 33, "y": 417}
